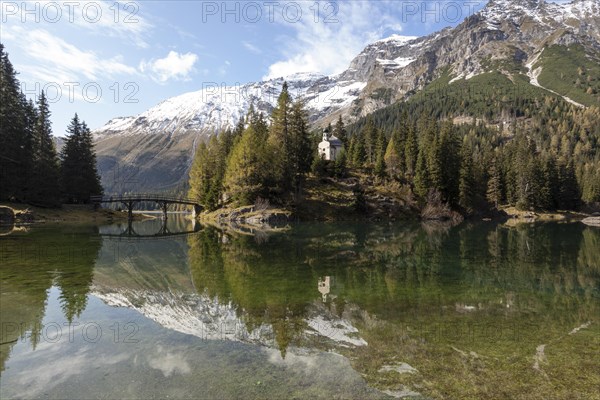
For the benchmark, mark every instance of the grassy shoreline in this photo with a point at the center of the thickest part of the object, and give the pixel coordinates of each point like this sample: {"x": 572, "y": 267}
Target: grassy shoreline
{"x": 68, "y": 213}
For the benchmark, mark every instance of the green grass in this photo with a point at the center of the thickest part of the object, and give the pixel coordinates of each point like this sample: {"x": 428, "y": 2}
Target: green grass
{"x": 570, "y": 72}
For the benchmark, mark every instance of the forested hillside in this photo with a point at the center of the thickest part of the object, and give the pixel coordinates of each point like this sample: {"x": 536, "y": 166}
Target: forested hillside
{"x": 454, "y": 146}
{"x": 486, "y": 142}
{"x": 30, "y": 169}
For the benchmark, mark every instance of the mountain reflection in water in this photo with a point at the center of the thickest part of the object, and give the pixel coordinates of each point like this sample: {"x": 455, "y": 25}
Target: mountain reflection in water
{"x": 431, "y": 309}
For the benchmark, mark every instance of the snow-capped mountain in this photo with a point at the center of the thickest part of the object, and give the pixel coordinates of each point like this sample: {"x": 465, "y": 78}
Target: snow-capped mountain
{"x": 214, "y": 108}
{"x": 507, "y": 36}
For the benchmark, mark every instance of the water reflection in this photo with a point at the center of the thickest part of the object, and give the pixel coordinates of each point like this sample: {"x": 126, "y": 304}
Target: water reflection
{"x": 463, "y": 309}
{"x": 153, "y": 228}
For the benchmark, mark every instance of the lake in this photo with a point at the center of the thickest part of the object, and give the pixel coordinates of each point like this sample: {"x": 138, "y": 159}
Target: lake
{"x": 323, "y": 310}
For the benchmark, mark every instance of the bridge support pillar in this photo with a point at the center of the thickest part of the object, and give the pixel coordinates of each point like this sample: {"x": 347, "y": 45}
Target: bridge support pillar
{"x": 164, "y": 205}
{"x": 129, "y": 205}
{"x": 197, "y": 210}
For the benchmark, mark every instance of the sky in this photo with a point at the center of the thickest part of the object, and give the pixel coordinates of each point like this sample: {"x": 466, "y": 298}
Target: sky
{"x": 105, "y": 59}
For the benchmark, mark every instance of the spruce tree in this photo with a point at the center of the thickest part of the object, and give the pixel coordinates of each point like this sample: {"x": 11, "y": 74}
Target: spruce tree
{"x": 569, "y": 195}
{"x": 340, "y": 130}
{"x": 44, "y": 187}
{"x": 299, "y": 146}
{"x": 494, "y": 186}
{"x": 79, "y": 173}
{"x": 433, "y": 145}
{"x": 380, "y": 166}
{"x": 411, "y": 151}
{"x": 249, "y": 168}
{"x": 208, "y": 170}
{"x": 340, "y": 165}
{"x": 370, "y": 135}
{"x": 358, "y": 151}
{"x": 199, "y": 176}
{"x": 466, "y": 194}
{"x": 391, "y": 158}
{"x": 450, "y": 155}
{"x": 16, "y": 123}
{"x": 421, "y": 180}
{"x": 280, "y": 141}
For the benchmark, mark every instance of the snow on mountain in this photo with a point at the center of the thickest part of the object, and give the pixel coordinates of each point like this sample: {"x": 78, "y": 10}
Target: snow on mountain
{"x": 544, "y": 13}
{"x": 509, "y": 33}
{"x": 206, "y": 318}
{"x": 397, "y": 39}
{"x": 214, "y": 108}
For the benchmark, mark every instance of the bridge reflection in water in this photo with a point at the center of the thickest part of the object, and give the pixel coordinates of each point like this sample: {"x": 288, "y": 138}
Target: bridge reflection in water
{"x": 152, "y": 229}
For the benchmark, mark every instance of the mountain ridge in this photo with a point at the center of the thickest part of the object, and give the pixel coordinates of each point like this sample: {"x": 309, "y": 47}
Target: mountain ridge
{"x": 506, "y": 36}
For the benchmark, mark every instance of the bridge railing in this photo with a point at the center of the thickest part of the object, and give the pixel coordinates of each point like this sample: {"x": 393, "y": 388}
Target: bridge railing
{"x": 115, "y": 198}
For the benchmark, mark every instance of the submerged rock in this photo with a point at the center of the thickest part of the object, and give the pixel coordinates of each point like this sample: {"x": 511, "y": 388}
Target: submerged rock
{"x": 592, "y": 221}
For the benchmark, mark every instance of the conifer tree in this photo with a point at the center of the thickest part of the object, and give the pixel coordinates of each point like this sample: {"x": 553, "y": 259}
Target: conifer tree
{"x": 79, "y": 173}
{"x": 280, "y": 141}
{"x": 249, "y": 169}
{"x": 44, "y": 186}
{"x": 340, "y": 165}
{"x": 494, "y": 186}
{"x": 466, "y": 180}
{"x": 421, "y": 180}
{"x": 340, "y": 131}
{"x": 380, "y": 166}
{"x": 15, "y": 142}
{"x": 358, "y": 151}
{"x": 199, "y": 176}
{"x": 391, "y": 158}
{"x": 569, "y": 193}
{"x": 411, "y": 151}
{"x": 432, "y": 144}
{"x": 370, "y": 135}
{"x": 299, "y": 148}
{"x": 450, "y": 155}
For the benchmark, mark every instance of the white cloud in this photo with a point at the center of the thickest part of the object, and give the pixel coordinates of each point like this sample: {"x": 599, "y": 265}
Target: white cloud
{"x": 174, "y": 66}
{"x": 105, "y": 18}
{"x": 251, "y": 48}
{"x": 223, "y": 68}
{"x": 58, "y": 60}
{"x": 328, "y": 47}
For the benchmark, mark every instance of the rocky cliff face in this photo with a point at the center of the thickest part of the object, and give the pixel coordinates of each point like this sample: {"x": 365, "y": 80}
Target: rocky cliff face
{"x": 153, "y": 151}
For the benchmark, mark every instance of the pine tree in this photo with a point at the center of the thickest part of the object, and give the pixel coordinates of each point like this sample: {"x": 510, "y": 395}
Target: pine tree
{"x": 340, "y": 165}
{"x": 44, "y": 186}
{"x": 15, "y": 142}
{"x": 90, "y": 166}
{"x": 319, "y": 167}
{"x": 358, "y": 151}
{"x": 370, "y": 135}
{"x": 380, "y": 167}
{"x": 411, "y": 151}
{"x": 340, "y": 130}
{"x": 391, "y": 158}
{"x": 79, "y": 173}
{"x": 280, "y": 141}
{"x": 569, "y": 196}
{"x": 450, "y": 155}
{"x": 421, "y": 180}
{"x": 435, "y": 165}
{"x": 300, "y": 149}
{"x": 208, "y": 170}
{"x": 494, "y": 186}
{"x": 549, "y": 192}
{"x": 249, "y": 169}
{"x": 199, "y": 176}
{"x": 466, "y": 198}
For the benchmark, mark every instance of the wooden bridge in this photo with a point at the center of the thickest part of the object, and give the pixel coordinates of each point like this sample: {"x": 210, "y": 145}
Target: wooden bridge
{"x": 129, "y": 200}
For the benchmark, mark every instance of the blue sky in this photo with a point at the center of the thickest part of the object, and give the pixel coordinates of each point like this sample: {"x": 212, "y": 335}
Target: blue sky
{"x": 108, "y": 59}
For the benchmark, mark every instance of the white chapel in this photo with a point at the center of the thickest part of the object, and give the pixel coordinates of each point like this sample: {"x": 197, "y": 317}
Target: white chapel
{"x": 330, "y": 147}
